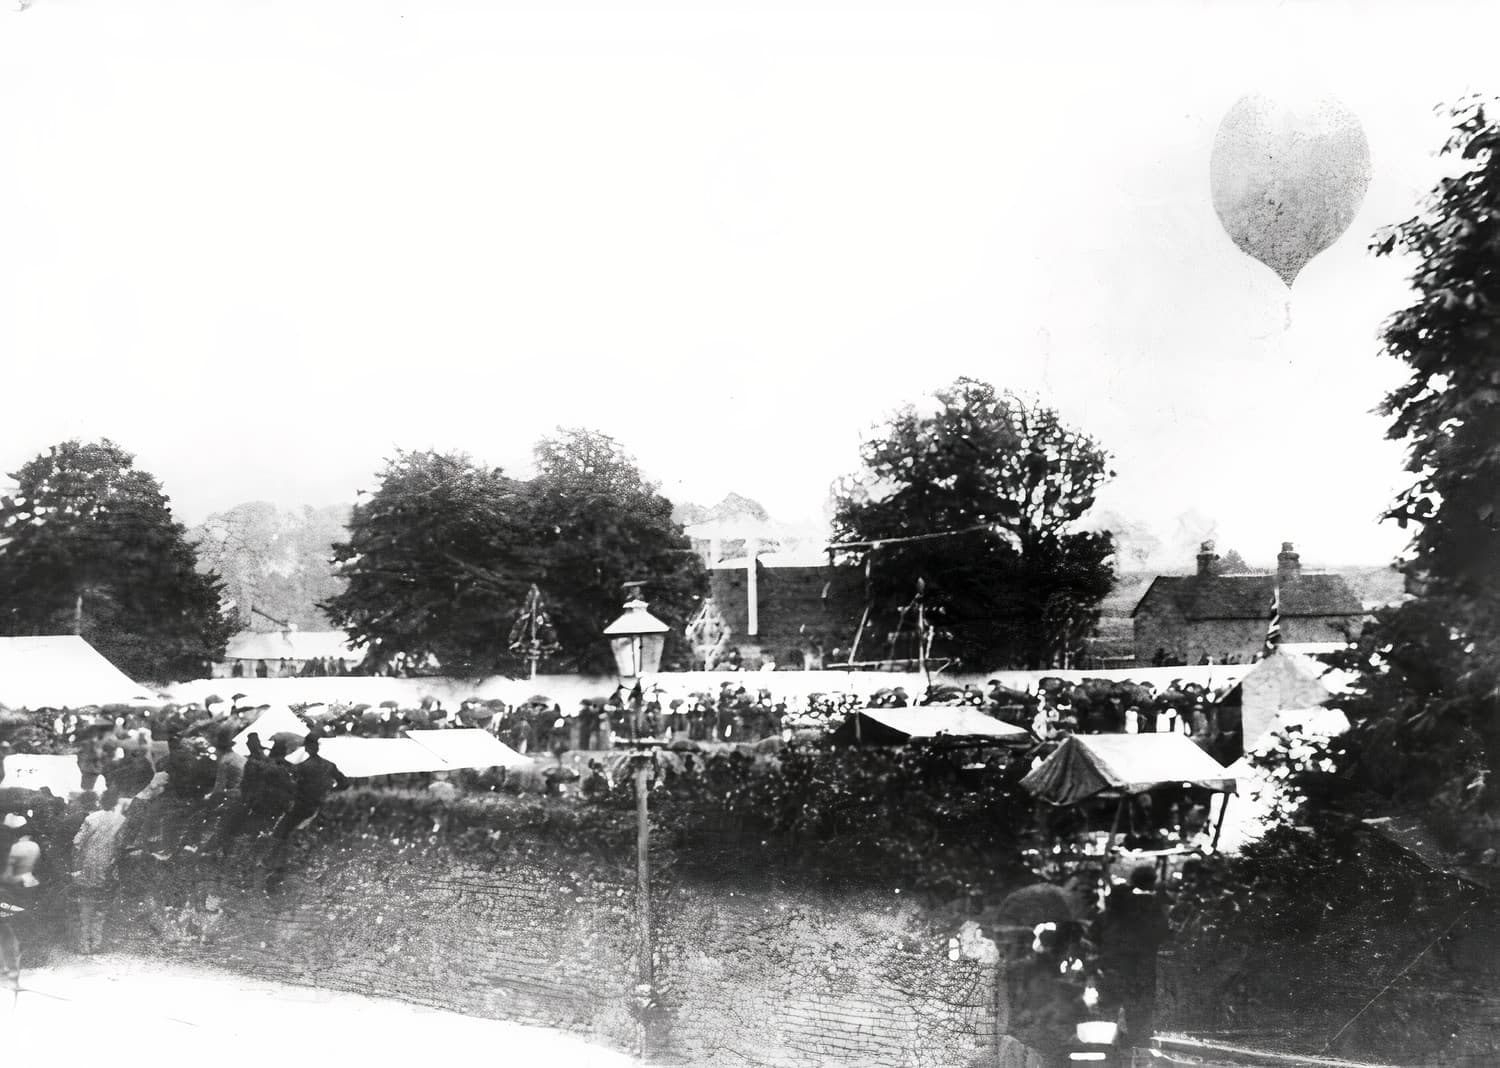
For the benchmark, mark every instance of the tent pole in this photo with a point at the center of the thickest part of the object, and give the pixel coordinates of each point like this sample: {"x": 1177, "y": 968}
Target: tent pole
{"x": 1219, "y": 826}
{"x": 1115, "y": 827}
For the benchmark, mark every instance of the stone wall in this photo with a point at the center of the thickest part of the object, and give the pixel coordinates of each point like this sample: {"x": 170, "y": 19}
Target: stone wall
{"x": 772, "y": 976}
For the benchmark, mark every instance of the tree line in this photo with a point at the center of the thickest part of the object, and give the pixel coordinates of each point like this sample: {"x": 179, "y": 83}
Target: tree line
{"x": 974, "y": 503}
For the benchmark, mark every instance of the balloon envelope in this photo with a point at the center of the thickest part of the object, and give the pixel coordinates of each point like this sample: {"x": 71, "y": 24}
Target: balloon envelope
{"x": 1288, "y": 178}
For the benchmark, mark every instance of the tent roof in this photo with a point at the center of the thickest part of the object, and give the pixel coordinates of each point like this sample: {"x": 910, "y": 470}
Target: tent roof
{"x": 465, "y": 747}
{"x": 61, "y": 671}
{"x": 290, "y": 645}
{"x": 364, "y": 758}
{"x": 1087, "y": 765}
{"x": 905, "y": 724}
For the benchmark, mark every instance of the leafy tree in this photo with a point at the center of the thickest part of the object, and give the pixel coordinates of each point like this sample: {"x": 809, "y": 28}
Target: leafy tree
{"x": 1426, "y": 729}
{"x": 88, "y": 546}
{"x": 599, "y": 524}
{"x": 1013, "y": 582}
{"x": 279, "y": 562}
{"x": 437, "y": 562}
{"x": 440, "y": 559}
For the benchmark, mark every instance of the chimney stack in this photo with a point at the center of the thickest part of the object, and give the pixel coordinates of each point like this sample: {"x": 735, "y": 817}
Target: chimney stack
{"x": 1208, "y": 560}
{"x": 1288, "y": 563}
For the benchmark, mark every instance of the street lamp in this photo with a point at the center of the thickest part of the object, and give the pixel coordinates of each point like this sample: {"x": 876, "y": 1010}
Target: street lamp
{"x": 636, "y": 639}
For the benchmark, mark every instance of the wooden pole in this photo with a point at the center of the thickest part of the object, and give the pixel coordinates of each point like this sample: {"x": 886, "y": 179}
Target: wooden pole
{"x": 1115, "y": 827}
{"x": 1219, "y": 827}
{"x": 643, "y": 887}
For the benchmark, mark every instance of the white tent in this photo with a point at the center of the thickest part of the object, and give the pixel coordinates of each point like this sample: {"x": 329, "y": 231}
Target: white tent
{"x": 470, "y": 749}
{"x": 1249, "y": 816}
{"x": 61, "y": 671}
{"x": 1281, "y": 682}
{"x": 298, "y": 645}
{"x": 365, "y": 758}
{"x": 35, "y": 771}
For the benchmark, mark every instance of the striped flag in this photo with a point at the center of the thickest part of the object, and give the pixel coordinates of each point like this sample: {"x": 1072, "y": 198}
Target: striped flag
{"x": 1273, "y": 628}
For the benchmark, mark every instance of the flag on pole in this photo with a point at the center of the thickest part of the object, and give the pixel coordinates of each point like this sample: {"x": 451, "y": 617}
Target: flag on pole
{"x": 1273, "y": 628}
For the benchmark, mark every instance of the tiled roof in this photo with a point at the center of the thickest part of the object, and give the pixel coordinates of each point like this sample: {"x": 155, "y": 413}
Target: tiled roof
{"x": 1310, "y": 593}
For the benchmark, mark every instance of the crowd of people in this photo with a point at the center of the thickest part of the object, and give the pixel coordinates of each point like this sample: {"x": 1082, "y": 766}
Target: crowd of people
{"x": 173, "y": 784}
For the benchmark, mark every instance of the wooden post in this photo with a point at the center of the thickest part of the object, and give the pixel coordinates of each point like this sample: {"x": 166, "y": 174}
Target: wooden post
{"x": 643, "y": 891}
{"x": 1219, "y": 826}
{"x": 752, "y": 591}
{"x": 1115, "y": 827}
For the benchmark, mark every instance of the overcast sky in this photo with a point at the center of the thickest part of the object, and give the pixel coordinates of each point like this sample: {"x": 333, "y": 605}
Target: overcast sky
{"x": 261, "y": 244}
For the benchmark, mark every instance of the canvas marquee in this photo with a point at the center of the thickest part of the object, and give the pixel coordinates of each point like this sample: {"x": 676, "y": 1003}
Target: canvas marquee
{"x": 1085, "y": 766}
{"x": 894, "y": 726}
{"x": 61, "y": 671}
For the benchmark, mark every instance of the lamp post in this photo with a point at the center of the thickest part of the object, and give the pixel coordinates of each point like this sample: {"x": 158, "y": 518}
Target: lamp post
{"x": 637, "y": 639}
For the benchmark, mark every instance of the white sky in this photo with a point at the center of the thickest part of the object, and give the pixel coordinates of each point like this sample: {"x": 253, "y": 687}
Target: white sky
{"x": 262, "y": 243}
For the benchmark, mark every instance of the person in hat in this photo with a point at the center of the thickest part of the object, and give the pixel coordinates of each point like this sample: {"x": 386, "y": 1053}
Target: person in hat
{"x": 94, "y": 751}
{"x": 312, "y": 781}
{"x": 96, "y": 855}
{"x": 1132, "y": 931}
{"x": 18, "y": 883}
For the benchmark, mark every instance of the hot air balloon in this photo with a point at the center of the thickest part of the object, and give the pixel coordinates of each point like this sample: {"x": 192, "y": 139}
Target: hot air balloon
{"x": 1288, "y": 178}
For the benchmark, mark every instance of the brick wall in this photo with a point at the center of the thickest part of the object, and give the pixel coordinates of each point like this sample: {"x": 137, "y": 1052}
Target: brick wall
{"x": 796, "y": 607}
{"x": 773, "y": 977}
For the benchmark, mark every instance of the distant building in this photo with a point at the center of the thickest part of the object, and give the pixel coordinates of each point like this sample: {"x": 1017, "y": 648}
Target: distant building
{"x": 1188, "y": 618}
{"x": 793, "y": 609}
{"x": 286, "y": 653}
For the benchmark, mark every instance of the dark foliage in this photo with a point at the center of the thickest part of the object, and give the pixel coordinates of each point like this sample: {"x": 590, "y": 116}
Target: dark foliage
{"x": 946, "y": 824}
{"x": 441, "y": 556}
{"x": 1020, "y": 587}
{"x": 599, "y": 524}
{"x": 1427, "y": 726}
{"x": 435, "y": 557}
{"x": 88, "y": 545}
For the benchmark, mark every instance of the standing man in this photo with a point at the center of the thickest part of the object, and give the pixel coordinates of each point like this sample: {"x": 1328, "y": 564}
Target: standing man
{"x": 17, "y": 884}
{"x": 312, "y": 781}
{"x": 96, "y": 854}
{"x": 94, "y": 751}
{"x": 1131, "y": 932}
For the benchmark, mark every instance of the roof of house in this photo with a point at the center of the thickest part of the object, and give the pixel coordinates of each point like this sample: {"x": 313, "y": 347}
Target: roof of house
{"x": 290, "y": 645}
{"x": 1310, "y": 593}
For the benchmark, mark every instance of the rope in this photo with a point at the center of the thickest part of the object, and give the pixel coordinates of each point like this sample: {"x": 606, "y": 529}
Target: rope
{"x": 1395, "y": 979}
{"x": 879, "y": 542}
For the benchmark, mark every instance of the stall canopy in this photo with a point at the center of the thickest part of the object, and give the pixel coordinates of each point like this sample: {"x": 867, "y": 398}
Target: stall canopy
{"x": 897, "y": 726}
{"x": 61, "y": 671}
{"x": 420, "y": 751}
{"x": 365, "y": 758}
{"x": 469, "y": 748}
{"x": 1110, "y": 765}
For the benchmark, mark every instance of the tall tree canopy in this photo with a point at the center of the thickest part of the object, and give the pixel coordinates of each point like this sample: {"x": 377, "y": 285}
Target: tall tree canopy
{"x": 433, "y": 558}
{"x": 1426, "y": 730}
{"x": 440, "y": 558}
{"x": 88, "y": 545}
{"x": 276, "y": 561}
{"x": 600, "y": 524}
{"x": 1013, "y": 584}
